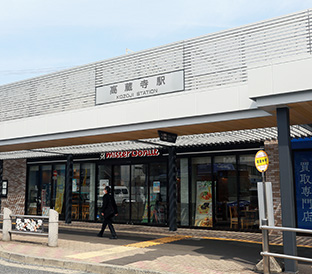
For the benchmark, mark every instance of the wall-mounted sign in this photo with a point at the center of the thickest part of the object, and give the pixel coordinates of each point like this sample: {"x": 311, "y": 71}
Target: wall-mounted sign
{"x": 54, "y": 174}
{"x": 156, "y": 187}
{"x": 29, "y": 225}
{"x": 140, "y": 88}
{"x": 130, "y": 153}
{"x": 303, "y": 179}
{"x": 103, "y": 183}
{"x": 4, "y": 189}
{"x": 74, "y": 185}
{"x": 45, "y": 210}
{"x": 203, "y": 214}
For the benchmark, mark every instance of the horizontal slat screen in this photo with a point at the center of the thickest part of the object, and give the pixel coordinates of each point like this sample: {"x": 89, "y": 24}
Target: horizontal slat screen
{"x": 210, "y": 61}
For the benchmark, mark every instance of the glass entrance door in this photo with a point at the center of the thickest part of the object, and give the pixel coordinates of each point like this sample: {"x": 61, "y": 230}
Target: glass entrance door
{"x": 131, "y": 190}
{"x": 140, "y": 191}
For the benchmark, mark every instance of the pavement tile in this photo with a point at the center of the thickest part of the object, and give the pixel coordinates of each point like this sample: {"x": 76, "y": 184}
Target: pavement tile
{"x": 83, "y": 255}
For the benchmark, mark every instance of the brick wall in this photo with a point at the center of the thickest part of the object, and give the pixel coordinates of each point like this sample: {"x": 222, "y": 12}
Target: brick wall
{"x": 272, "y": 175}
{"x": 15, "y": 172}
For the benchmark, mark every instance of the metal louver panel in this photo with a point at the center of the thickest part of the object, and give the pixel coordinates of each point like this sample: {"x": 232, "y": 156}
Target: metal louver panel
{"x": 209, "y": 62}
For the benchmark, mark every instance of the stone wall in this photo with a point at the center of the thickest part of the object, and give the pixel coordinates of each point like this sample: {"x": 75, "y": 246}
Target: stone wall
{"x": 15, "y": 172}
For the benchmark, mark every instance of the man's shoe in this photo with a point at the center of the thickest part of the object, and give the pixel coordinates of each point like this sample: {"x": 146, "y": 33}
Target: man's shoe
{"x": 113, "y": 237}
{"x": 99, "y": 235}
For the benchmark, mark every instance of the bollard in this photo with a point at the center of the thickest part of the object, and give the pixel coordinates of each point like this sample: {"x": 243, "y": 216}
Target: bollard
{"x": 53, "y": 227}
{"x": 7, "y": 225}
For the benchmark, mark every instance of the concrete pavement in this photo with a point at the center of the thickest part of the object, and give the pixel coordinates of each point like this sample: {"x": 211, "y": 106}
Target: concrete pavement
{"x": 95, "y": 255}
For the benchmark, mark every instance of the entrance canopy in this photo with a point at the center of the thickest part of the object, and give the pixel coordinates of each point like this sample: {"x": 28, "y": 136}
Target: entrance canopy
{"x": 226, "y": 81}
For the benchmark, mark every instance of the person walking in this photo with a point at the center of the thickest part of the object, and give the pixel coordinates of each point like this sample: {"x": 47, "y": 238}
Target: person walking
{"x": 108, "y": 211}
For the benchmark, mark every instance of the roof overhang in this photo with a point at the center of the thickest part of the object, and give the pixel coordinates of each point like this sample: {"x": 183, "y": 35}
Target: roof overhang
{"x": 186, "y": 126}
{"x": 300, "y": 113}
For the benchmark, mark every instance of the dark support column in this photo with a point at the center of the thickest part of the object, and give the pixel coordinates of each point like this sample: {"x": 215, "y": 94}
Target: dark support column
{"x": 1, "y": 178}
{"x": 172, "y": 189}
{"x": 287, "y": 187}
{"x": 68, "y": 190}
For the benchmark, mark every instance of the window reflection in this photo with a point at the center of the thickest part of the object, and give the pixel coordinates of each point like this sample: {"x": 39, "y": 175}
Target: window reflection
{"x": 122, "y": 191}
{"x": 139, "y": 195}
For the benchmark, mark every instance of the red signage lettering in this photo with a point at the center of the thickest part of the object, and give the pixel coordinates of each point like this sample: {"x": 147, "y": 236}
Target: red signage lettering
{"x": 132, "y": 153}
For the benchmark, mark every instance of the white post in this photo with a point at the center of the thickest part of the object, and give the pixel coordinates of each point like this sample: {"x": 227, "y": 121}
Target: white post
{"x": 265, "y": 233}
{"x": 53, "y": 227}
{"x": 7, "y": 224}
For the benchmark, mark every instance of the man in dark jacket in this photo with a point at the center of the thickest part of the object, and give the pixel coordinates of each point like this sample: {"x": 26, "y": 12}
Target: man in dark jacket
{"x": 109, "y": 210}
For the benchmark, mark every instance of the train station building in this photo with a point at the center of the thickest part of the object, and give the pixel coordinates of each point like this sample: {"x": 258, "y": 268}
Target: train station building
{"x": 221, "y": 96}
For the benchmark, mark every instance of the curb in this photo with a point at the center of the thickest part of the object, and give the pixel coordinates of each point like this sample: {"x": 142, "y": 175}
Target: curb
{"x": 75, "y": 265}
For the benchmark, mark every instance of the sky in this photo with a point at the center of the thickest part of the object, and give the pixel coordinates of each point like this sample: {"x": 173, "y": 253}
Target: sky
{"x": 43, "y": 36}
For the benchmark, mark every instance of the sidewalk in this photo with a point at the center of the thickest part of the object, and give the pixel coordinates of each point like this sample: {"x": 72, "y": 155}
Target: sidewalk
{"x": 91, "y": 257}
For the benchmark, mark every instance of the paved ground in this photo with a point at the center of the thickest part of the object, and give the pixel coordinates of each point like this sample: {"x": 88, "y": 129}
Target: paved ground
{"x": 144, "y": 249}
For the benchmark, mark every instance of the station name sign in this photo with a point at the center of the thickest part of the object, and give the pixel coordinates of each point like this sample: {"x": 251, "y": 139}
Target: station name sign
{"x": 140, "y": 88}
{"x": 130, "y": 154}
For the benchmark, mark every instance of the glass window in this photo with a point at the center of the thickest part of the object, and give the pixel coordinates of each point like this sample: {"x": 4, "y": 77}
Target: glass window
{"x": 104, "y": 173}
{"x": 158, "y": 193}
{"x": 248, "y": 178}
{"x": 139, "y": 193}
{"x": 226, "y": 191}
{"x": 87, "y": 191}
{"x": 201, "y": 192}
{"x": 46, "y": 189}
{"x": 59, "y": 189}
{"x": 75, "y": 192}
{"x": 45, "y": 197}
{"x": 122, "y": 188}
{"x": 182, "y": 192}
{"x": 32, "y": 195}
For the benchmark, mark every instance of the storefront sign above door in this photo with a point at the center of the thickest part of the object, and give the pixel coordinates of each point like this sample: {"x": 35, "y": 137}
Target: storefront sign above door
{"x": 140, "y": 88}
{"x": 130, "y": 153}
